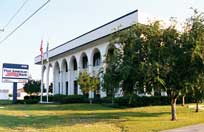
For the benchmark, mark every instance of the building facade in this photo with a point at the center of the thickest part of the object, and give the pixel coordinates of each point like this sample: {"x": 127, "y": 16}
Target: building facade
{"x": 86, "y": 52}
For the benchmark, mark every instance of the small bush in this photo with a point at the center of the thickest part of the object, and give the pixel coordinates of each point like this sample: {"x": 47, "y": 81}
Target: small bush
{"x": 66, "y": 99}
{"x": 107, "y": 100}
{"x": 138, "y": 101}
{"x": 31, "y": 101}
{"x": 34, "y": 99}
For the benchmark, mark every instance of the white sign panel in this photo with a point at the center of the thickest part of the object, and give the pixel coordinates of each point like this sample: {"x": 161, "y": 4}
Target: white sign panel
{"x": 14, "y": 73}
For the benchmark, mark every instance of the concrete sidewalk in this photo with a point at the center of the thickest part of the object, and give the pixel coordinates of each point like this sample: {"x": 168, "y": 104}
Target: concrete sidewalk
{"x": 192, "y": 128}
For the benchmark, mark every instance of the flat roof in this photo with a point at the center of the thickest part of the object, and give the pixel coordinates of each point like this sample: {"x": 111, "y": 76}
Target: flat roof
{"x": 124, "y": 21}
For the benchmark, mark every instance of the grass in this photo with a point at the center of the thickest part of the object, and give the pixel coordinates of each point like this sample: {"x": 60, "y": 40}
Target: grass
{"x": 92, "y": 118}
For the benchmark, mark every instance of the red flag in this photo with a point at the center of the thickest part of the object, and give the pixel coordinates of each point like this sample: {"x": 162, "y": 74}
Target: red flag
{"x": 41, "y": 49}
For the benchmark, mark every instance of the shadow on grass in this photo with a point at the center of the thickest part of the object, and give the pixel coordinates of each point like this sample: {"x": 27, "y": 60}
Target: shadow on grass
{"x": 46, "y": 121}
{"x": 58, "y": 107}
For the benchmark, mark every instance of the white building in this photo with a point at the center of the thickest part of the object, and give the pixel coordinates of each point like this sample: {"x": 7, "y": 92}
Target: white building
{"x": 86, "y": 52}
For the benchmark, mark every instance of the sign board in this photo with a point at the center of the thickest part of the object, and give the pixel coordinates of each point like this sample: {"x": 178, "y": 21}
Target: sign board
{"x": 14, "y": 73}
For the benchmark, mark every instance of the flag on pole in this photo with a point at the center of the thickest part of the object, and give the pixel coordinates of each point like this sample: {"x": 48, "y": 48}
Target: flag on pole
{"x": 41, "y": 49}
{"x": 47, "y": 51}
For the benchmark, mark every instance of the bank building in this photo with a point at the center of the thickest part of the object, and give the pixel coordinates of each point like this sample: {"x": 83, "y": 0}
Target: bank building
{"x": 86, "y": 52}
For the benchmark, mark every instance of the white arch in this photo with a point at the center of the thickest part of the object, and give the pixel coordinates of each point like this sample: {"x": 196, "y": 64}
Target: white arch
{"x": 94, "y": 51}
{"x": 73, "y": 75}
{"x": 50, "y": 76}
{"x": 82, "y": 62}
{"x": 57, "y": 85}
{"x": 64, "y": 78}
{"x": 71, "y": 63}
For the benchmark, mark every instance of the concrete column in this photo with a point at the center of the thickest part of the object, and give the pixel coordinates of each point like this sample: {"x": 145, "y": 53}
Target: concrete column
{"x": 69, "y": 82}
{"x": 78, "y": 72}
{"x": 60, "y": 81}
{"x": 53, "y": 83}
{"x": 90, "y": 71}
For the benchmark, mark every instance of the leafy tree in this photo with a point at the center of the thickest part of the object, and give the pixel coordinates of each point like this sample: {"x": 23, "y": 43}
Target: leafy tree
{"x": 194, "y": 37}
{"x": 171, "y": 66}
{"x": 186, "y": 90}
{"x": 84, "y": 81}
{"x": 88, "y": 83}
{"x": 32, "y": 86}
{"x": 111, "y": 77}
{"x": 198, "y": 90}
{"x": 134, "y": 64}
{"x": 149, "y": 56}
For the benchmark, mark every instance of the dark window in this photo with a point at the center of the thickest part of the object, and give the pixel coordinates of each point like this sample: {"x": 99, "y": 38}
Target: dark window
{"x": 66, "y": 68}
{"x": 67, "y": 87}
{"x": 84, "y": 62}
{"x": 97, "y": 59}
{"x": 74, "y": 64}
{"x": 75, "y": 88}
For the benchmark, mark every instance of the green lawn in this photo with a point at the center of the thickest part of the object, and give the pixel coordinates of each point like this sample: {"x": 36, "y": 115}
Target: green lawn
{"x": 92, "y": 118}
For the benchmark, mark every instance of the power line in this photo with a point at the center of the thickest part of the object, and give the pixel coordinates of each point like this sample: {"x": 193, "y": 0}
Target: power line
{"x": 5, "y": 38}
{"x": 10, "y": 20}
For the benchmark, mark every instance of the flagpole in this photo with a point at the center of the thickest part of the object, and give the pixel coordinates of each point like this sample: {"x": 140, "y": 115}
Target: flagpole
{"x": 47, "y": 70}
{"x": 41, "y": 86}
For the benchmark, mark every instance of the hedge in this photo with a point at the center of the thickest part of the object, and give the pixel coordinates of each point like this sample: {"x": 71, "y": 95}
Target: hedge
{"x": 67, "y": 99}
{"x": 137, "y": 101}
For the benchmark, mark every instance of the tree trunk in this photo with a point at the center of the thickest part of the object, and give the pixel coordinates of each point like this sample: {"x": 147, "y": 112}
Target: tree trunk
{"x": 173, "y": 109}
{"x": 183, "y": 100}
{"x": 197, "y": 106}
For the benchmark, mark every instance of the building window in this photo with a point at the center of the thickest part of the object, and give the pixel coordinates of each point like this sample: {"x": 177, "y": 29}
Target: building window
{"x": 84, "y": 62}
{"x": 97, "y": 59}
{"x": 67, "y": 86}
{"x": 75, "y": 88}
{"x": 75, "y": 65}
{"x": 66, "y": 68}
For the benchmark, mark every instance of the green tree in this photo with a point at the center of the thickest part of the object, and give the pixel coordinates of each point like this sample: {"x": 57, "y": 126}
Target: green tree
{"x": 136, "y": 54}
{"x": 87, "y": 83}
{"x": 32, "y": 86}
{"x": 198, "y": 90}
{"x": 111, "y": 77}
{"x": 150, "y": 56}
{"x": 194, "y": 36}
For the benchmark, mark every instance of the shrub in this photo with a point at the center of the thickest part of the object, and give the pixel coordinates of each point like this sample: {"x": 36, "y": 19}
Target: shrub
{"x": 138, "y": 101}
{"x": 66, "y": 99}
{"x": 106, "y": 100}
{"x": 33, "y": 99}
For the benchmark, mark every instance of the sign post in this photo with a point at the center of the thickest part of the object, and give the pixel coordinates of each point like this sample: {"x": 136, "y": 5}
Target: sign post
{"x": 15, "y": 92}
{"x": 14, "y": 73}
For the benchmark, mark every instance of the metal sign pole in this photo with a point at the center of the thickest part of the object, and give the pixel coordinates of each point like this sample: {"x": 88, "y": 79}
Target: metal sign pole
{"x": 15, "y": 92}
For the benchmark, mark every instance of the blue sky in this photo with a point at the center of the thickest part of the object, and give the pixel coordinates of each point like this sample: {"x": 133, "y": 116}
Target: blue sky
{"x": 62, "y": 20}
